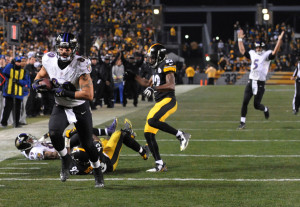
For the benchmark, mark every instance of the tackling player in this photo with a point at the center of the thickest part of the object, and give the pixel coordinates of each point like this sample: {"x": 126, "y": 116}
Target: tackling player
{"x": 73, "y": 88}
{"x": 162, "y": 85}
{"x": 109, "y": 150}
{"x": 260, "y": 61}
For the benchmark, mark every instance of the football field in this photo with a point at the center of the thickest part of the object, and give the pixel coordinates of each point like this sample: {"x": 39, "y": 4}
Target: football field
{"x": 222, "y": 166}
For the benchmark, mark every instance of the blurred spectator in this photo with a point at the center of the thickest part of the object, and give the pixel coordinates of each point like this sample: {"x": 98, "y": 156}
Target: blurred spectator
{"x": 118, "y": 74}
{"x": 190, "y": 73}
{"x": 211, "y": 74}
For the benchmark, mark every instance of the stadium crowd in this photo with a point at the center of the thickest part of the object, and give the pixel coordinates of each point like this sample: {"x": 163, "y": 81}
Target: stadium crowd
{"x": 122, "y": 32}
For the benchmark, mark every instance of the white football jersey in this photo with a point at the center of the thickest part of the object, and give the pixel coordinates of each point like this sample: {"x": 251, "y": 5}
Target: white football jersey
{"x": 71, "y": 73}
{"x": 37, "y": 151}
{"x": 259, "y": 65}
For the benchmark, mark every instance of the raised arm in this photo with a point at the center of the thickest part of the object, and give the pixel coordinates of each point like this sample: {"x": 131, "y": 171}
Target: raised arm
{"x": 278, "y": 44}
{"x": 241, "y": 35}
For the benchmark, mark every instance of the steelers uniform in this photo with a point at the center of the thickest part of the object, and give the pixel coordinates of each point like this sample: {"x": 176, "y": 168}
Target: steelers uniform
{"x": 166, "y": 103}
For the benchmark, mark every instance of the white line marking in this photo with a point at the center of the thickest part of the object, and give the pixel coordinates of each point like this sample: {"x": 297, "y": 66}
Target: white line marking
{"x": 19, "y": 168}
{"x": 14, "y": 173}
{"x": 2, "y": 185}
{"x": 33, "y": 163}
{"x": 160, "y": 179}
{"x": 221, "y": 156}
{"x": 227, "y": 140}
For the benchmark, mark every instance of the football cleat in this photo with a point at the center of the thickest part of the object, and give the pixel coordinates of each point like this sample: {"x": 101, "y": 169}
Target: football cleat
{"x": 159, "y": 168}
{"x": 128, "y": 127}
{"x": 295, "y": 112}
{"x": 99, "y": 181}
{"x": 267, "y": 113}
{"x": 66, "y": 162}
{"x": 242, "y": 125}
{"x": 146, "y": 152}
{"x": 112, "y": 128}
{"x": 184, "y": 140}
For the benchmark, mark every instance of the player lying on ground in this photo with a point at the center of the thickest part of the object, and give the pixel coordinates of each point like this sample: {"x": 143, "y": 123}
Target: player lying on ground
{"x": 109, "y": 150}
{"x": 35, "y": 149}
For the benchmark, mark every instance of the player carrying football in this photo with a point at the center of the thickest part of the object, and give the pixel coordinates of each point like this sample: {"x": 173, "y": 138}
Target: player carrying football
{"x": 73, "y": 88}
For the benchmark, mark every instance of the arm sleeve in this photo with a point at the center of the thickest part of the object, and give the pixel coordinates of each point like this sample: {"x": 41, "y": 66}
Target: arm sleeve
{"x": 271, "y": 56}
{"x": 247, "y": 54}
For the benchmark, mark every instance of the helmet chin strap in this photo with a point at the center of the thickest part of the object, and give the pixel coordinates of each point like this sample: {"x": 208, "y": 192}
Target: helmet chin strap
{"x": 64, "y": 59}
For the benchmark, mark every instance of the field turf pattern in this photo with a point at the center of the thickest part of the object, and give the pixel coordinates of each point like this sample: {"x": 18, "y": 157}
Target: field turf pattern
{"x": 222, "y": 166}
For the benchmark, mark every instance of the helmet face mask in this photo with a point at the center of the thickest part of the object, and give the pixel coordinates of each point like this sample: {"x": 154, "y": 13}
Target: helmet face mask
{"x": 156, "y": 54}
{"x": 24, "y": 141}
{"x": 259, "y": 47}
{"x": 66, "y": 46}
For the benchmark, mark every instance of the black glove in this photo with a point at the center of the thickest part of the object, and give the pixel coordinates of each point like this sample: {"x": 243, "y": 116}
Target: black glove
{"x": 148, "y": 91}
{"x": 129, "y": 74}
{"x": 37, "y": 87}
{"x": 13, "y": 61}
{"x": 61, "y": 92}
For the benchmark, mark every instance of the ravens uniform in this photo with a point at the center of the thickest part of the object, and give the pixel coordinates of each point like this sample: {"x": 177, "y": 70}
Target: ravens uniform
{"x": 162, "y": 84}
{"x": 260, "y": 61}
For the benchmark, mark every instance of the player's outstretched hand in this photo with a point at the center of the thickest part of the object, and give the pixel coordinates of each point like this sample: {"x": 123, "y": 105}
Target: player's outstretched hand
{"x": 240, "y": 33}
{"x": 148, "y": 91}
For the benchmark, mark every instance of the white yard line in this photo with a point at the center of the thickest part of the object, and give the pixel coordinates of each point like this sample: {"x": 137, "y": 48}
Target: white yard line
{"x": 227, "y": 140}
{"x": 28, "y": 163}
{"x": 6, "y": 173}
{"x": 19, "y": 168}
{"x": 161, "y": 179}
{"x": 221, "y": 156}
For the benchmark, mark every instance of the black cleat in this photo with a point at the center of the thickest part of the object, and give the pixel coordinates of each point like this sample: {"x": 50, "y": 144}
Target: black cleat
{"x": 99, "y": 181}
{"x": 146, "y": 152}
{"x": 242, "y": 125}
{"x": 267, "y": 114}
{"x": 66, "y": 163}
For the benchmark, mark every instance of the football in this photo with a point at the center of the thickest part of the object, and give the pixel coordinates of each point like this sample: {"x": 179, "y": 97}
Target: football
{"x": 47, "y": 83}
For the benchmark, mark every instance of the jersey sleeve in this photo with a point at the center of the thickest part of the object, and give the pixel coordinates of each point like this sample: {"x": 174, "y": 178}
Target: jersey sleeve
{"x": 36, "y": 153}
{"x": 169, "y": 66}
{"x": 84, "y": 65}
{"x": 47, "y": 59}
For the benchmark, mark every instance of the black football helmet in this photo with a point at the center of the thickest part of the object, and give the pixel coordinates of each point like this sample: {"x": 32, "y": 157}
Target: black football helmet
{"x": 24, "y": 141}
{"x": 259, "y": 44}
{"x": 80, "y": 156}
{"x": 156, "y": 54}
{"x": 66, "y": 40}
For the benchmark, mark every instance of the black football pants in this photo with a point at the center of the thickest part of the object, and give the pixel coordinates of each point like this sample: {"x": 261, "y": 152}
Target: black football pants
{"x": 84, "y": 125}
{"x": 257, "y": 98}
{"x": 296, "y": 99}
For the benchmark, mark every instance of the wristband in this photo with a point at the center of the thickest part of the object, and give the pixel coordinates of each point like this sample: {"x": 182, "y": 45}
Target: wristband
{"x": 240, "y": 39}
{"x": 70, "y": 94}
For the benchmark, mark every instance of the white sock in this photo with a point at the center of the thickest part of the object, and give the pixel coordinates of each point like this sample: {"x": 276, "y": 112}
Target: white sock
{"x": 266, "y": 109}
{"x": 95, "y": 164}
{"x": 63, "y": 153}
{"x": 141, "y": 149}
{"x": 243, "y": 119}
{"x": 179, "y": 133}
{"x": 160, "y": 162}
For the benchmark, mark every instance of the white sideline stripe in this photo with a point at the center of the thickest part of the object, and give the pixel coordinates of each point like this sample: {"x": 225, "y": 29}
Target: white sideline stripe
{"x": 2, "y": 185}
{"x": 160, "y": 179}
{"x": 221, "y": 156}
{"x": 19, "y": 168}
{"x": 33, "y": 163}
{"x": 14, "y": 173}
{"x": 233, "y": 129}
{"x": 228, "y": 140}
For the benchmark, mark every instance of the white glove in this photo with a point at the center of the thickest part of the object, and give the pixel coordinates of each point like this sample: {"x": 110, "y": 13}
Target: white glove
{"x": 148, "y": 91}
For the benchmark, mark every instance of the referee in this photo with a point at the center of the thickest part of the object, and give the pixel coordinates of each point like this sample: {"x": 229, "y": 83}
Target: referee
{"x": 296, "y": 99}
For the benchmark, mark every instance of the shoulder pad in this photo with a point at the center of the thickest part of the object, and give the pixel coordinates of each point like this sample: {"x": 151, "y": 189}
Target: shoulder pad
{"x": 50, "y": 54}
{"x": 81, "y": 59}
{"x": 169, "y": 66}
{"x": 169, "y": 62}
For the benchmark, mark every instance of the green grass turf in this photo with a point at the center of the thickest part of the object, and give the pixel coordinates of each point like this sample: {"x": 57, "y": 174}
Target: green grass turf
{"x": 222, "y": 166}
